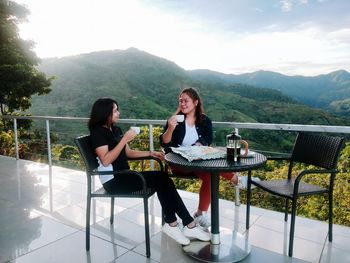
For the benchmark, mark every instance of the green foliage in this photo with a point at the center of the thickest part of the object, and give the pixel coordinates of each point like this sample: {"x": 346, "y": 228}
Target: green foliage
{"x": 341, "y": 107}
{"x": 67, "y": 156}
{"x": 67, "y": 152}
{"x": 141, "y": 143}
{"x": 6, "y": 143}
{"x": 19, "y": 78}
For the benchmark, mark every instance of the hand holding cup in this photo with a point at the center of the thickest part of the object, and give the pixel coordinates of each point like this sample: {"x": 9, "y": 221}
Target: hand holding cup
{"x": 180, "y": 118}
{"x": 136, "y": 129}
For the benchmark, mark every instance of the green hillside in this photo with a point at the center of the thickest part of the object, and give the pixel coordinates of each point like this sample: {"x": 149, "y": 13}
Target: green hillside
{"x": 147, "y": 86}
{"x": 142, "y": 84}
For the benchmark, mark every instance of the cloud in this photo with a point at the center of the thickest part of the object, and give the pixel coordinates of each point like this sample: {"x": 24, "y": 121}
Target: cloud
{"x": 304, "y": 51}
{"x": 236, "y": 38}
{"x": 287, "y": 5}
{"x": 341, "y": 35}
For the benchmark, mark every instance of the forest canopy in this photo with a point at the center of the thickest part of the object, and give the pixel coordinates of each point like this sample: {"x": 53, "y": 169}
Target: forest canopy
{"x": 19, "y": 75}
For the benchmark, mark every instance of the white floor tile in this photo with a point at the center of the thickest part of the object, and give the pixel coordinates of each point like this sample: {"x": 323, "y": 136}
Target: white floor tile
{"x": 42, "y": 219}
{"x": 72, "y": 249}
{"x": 132, "y": 257}
{"x": 30, "y": 235}
{"x": 331, "y": 254}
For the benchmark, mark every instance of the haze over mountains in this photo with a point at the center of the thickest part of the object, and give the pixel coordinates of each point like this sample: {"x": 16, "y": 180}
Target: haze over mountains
{"x": 329, "y": 91}
{"x": 147, "y": 86}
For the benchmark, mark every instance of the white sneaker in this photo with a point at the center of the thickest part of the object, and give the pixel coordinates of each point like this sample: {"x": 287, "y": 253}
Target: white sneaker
{"x": 202, "y": 220}
{"x": 196, "y": 233}
{"x": 175, "y": 233}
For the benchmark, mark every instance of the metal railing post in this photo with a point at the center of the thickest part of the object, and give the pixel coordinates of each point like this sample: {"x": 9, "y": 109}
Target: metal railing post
{"x": 16, "y": 137}
{"x": 48, "y": 142}
{"x": 237, "y": 195}
{"x": 151, "y": 144}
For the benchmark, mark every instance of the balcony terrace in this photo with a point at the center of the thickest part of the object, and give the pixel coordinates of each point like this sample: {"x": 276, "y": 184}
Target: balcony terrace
{"x": 42, "y": 219}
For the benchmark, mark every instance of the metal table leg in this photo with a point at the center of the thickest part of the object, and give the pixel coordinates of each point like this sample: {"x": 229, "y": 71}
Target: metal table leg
{"x": 224, "y": 247}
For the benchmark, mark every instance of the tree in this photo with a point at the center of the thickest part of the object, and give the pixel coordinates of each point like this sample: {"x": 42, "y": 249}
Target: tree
{"x": 19, "y": 77}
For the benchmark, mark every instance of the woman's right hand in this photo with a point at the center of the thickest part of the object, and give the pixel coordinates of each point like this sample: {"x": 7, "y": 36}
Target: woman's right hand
{"x": 172, "y": 122}
{"x": 129, "y": 135}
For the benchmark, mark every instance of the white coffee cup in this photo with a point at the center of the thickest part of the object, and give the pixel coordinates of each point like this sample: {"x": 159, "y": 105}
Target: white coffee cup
{"x": 180, "y": 118}
{"x": 136, "y": 129}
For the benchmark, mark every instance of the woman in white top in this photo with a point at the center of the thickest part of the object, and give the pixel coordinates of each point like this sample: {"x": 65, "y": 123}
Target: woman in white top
{"x": 196, "y": 129}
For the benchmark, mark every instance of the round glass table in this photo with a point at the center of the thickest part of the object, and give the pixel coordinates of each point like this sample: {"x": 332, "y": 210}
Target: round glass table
{"x": 231, "y": 247}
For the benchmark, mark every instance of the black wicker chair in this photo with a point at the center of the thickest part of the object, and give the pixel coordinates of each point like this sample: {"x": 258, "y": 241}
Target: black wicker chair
{"x": 318, "y": 150}
{"x": 89, "y": 157}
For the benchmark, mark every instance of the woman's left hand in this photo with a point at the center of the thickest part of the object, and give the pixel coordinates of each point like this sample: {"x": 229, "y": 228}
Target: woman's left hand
{"x": 158, "y": 155}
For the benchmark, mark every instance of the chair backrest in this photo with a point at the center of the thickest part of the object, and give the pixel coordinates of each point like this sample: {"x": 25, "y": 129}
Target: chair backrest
{"x": 87, "y": 152}
{"x": 318, "y": 150}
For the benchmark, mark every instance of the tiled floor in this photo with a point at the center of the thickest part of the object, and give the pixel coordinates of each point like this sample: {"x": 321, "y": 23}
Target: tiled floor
{"x": 42, "y": 219}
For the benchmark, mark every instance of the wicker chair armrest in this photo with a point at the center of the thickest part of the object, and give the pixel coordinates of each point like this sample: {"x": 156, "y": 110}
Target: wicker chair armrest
{"x": 313, "y": 171}
{"x": 279, "y": 158}
{"x": 305, "y": 172}
{"x": 96, "y": 172}
{"x": 271, "y": 156}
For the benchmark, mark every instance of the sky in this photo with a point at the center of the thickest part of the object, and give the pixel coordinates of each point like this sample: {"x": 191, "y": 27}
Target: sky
{"x": 292, "y": 37}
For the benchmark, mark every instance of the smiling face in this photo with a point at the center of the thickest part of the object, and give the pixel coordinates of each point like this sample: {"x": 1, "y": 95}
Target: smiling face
{"x": 187, "y": 105}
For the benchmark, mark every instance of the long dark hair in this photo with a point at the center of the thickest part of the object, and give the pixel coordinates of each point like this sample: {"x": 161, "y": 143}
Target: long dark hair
{"x": 101, "y": 112}
{"x": 194, "y": 95}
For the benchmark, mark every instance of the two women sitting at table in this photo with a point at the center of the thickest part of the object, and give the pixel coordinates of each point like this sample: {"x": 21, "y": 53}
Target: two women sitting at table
{"x": 196, "y": 129}
{"x": 112, "y": 150}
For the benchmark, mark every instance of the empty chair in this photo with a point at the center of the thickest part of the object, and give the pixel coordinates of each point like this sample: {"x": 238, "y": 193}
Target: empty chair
{"x": 320, "y": 151}
{"x": 89, "y": 157}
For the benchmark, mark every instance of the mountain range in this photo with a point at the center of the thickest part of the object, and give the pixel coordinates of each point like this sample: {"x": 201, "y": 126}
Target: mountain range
{"x": 330, "y": 92}
{"x": 147, "y": 87}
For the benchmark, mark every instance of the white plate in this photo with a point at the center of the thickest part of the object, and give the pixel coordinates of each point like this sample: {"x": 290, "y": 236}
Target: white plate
{"x": 250, "y": 154}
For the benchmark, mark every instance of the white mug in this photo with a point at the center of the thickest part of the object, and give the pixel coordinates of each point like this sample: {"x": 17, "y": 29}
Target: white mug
{"x": 136, "y": 129}
{"x": 180, "y": 118}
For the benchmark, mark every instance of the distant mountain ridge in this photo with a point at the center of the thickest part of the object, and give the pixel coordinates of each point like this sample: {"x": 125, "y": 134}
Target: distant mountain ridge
{"x": 328, "y": 91}
{"x": 147, "y": 86}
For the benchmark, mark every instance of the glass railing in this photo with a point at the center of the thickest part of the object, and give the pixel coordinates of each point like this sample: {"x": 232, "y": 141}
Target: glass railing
{"x": 50, "y": 140}
{"x": 46, "y": 131}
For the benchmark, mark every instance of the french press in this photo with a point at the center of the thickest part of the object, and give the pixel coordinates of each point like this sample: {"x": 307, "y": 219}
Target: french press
{"x": 233, "y": 146}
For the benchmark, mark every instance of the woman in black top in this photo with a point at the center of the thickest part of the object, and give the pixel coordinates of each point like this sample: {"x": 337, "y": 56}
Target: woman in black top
{"x": 111, "y": 147}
